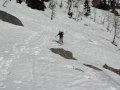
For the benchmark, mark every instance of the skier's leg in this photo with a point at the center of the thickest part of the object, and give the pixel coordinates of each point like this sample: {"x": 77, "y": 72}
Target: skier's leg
{"x": 61, "y": 40}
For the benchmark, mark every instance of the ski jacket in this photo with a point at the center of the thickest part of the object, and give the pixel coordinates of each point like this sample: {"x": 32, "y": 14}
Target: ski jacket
{"x": 60, "y": 35}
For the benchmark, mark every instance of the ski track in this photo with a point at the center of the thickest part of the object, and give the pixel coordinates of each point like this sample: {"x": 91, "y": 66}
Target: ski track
{"x": 16, "y": 78}
{"x": 27, "y": 68}
{"x": 31, "y": 47}
{"x": 23, "y": 66}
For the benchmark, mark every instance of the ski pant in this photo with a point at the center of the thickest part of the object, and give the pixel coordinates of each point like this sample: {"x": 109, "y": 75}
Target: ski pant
{"x": 61, "y": 40}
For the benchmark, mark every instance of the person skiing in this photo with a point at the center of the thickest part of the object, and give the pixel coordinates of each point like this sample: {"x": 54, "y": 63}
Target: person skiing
{"x": 60, "y": 34}
{"x": 70, "y": 14}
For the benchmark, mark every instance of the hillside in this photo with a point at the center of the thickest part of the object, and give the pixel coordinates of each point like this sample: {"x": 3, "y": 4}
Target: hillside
{"x": 26, "y": 62}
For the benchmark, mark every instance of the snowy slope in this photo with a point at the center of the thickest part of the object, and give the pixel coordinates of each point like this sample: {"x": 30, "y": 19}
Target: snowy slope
{"x": 26, "y": 63}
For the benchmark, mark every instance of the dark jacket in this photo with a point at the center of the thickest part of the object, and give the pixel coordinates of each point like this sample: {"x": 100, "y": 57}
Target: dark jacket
{"x": 60, "y": 35}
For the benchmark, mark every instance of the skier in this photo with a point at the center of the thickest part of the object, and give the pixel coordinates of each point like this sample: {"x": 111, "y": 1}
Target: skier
{"x": 70, "y": 14}
{"x": 60, "y": 34}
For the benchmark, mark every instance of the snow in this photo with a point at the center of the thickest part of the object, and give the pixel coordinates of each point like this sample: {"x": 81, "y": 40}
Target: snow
{"x": 27, "y": 63}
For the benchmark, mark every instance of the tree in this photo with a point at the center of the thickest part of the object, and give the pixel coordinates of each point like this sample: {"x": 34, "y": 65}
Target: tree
{"x": 87, "y": 7}
{"x": 113, "y": 6}
{"x": 6, "y": 1}
{"x": 61, "y": 4}
{"x": 36, "y": 4}
{"x": 19, "y": 1}
{"x": 95, "y": 14}
{"x": 108, "y": 21}
{"x": 105, "y": 4}
{"x": 52, "y": 6}
{"x": 118, "y": 4}
{"x": 69, "y": 6}
{"x": 116, "y": 28}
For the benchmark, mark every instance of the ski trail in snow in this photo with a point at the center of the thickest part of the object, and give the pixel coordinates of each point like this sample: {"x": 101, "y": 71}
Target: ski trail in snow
{"x": 33, "y": 35}
{"x": 27, "y": 50}
{"x": 5, "y": 65}
{"x": 32, "y": 47}
{"x": 26, "y": 53}
{"x": 100, "y": 78}
{"x": 103, "y": 78}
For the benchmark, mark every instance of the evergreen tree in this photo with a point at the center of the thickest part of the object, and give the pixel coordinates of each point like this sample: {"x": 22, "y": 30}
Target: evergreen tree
{"x": 87, "y": 7}
{"x": 37, "y": 4}
{"x": 70, "y": 5}
{"x": 113, "y": 6}
{"x": 61, "y": 4}
{"x": 105, "y": 4}
{"x": 52, "y": 7}
{"x": 19, "y": 1}
{"x": 6, "y": 1}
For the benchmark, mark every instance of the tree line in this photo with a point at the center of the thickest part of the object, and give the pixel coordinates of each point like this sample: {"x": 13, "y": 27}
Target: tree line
{"x": 34, "y": 4}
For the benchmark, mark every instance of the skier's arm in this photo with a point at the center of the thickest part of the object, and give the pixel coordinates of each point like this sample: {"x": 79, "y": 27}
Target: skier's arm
{"x": 57, "y": 35}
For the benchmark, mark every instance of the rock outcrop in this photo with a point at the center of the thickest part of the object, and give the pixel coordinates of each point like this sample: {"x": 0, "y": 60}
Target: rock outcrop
{"x": 63, "y": 53}
{"x": 117, "y": 71}
{"x": 4, "y": 16}
{"x": 93, "y": 67}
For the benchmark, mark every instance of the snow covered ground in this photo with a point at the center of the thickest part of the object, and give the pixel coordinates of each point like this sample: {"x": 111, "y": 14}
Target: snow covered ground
{"x": 26, "y": 63}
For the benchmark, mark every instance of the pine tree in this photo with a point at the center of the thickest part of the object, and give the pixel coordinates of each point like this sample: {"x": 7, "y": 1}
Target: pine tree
{"x": 52, "y": 6}
{"x": 87, "y": 7}
{"x": 61, "y": 4}
{"x": 113, "y": 6}
{"x": 70, "y": 5}
{"x": 19, "y": 1}
{"x": 37, "y": 4}
{"x": 6, "y": 1}
{"x": 115, "y": 31}
{"x": 70, "y": 13}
